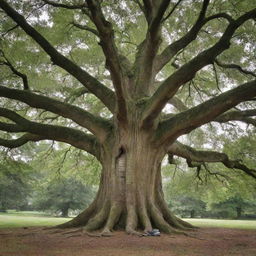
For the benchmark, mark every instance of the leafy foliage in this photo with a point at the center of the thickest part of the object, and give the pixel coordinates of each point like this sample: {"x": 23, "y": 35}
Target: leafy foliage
{"x": 15, "y": 184}
{"x": 62, "y": 195}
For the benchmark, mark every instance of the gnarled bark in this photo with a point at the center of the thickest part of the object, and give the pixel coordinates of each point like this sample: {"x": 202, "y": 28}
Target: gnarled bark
{"x": 130, "y": 195}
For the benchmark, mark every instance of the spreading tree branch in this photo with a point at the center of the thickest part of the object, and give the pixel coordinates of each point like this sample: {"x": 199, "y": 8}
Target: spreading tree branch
{"x": 9, "y": 30}
{"x": 174, "y": 101}
{"x": 113, "y": 61}
{"x": 234, "y": 66}
{"x": 140, "y": 6}
{"x": 242, "y": 116}
{"x": 76, "y": 94}
{"x": 15, "y": 71}
{"x": 11, "y": 127}
{"x": 20, "y": 141}
{"x": 147, "y": 50}
{"x": 85, "y": 27}
{"x": 172, "y": 11}
{"x": 208, "y": 111}
{"x": 106, "y": 95}
{"x": 71, "y": 136}
{"x": 200, "y": 156}
{"x": 171, "y": 50}
{"x": 185, "y": 73}
{"x": 97, "y": 125}
{"x": 148, "y": 9}
{"x": 158, "y": 17}
{"x": 66, "y": 6}
{"x": 178, "y": 104}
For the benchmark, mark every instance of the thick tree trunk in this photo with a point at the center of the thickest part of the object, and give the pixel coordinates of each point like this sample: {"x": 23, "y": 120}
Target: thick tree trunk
{"x": 64, "y": 211}
{"x": 130, "y": 195}
{"x": 238, "y": 212}
{"x": 192, "y": 214}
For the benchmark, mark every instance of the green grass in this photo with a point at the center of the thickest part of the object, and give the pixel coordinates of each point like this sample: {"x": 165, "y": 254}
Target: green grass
{"x": 14, "y": 219}
{"x": 240, "y": 224}
{"x": 26, "y": 213}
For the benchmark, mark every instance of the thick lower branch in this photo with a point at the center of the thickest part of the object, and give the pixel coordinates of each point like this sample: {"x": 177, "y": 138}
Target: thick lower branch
{"x": 190, "y": 154}
{"x": 98, "y": 126}
{"x": 234, "y": 66}
{"x": 71, "y": 136}
{"x": 242, "y": 116}
{"x": 20, "y": 141}
{"x": 208, "y": 111}
{"x": 11, "y": 127}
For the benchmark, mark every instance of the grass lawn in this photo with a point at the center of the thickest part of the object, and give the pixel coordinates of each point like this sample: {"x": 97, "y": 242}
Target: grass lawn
{"x": 14, "y": 219}
{"x": 232, "y": 237}
{"x": 240, "y": 224}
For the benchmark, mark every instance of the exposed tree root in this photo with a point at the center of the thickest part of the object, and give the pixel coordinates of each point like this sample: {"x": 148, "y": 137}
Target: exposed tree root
{"x": 171, "y": 218}
{"x": 141, "y": 210}
{"x": 134, "y": 232}
{"x": 56, "y": 231}
{"x": 161, "y": 223}
{"x": 114, "y": 215}
{"x": 143, "y": 215}
{"x": 72, "y": 231}
{"x": 195, "y": 237}
{"x": 132, "y": 220}
{"x": 92, "y": 234}
{"x": 98, "y": 220}
{"x": 27, "y": 234}
{"x": 80, "y": 232}
{"x": 106, "y": 233}
{"x": 71, "y": 236}
{"x": 186, "y": 224}
{"x": 5, "y": 234}
{"x": 51, "y": 228}
{"x": 81, "y": 219}
{"x": 108, "y": 218}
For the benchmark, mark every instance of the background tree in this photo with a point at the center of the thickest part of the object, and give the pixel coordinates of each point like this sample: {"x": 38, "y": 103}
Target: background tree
{"x": 186, "y": 206}
{"x": 235, "y": 207}
{"x": 206, "y": 196}
{"x": 182, "y": 193}
{"x": 138, "y": 62}
{"x": 62, "y": 195}
{"x": 15, "y": 184}
{"x": 207, "y": 188}
{"x": 65, "y": 181}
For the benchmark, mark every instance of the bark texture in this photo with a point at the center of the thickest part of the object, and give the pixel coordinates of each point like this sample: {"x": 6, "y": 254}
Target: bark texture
{"x": 130, "y": 196}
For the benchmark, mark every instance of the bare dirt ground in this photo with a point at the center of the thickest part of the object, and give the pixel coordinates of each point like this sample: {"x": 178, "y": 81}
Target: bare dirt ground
{"x": 203, "y": 242}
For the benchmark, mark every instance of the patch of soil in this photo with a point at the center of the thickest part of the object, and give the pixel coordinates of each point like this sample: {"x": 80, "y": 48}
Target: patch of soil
{"x": 202, "y": 242}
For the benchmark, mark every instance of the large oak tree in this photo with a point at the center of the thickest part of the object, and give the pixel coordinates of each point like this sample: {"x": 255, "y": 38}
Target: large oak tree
{"x": 160, "y": 68}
